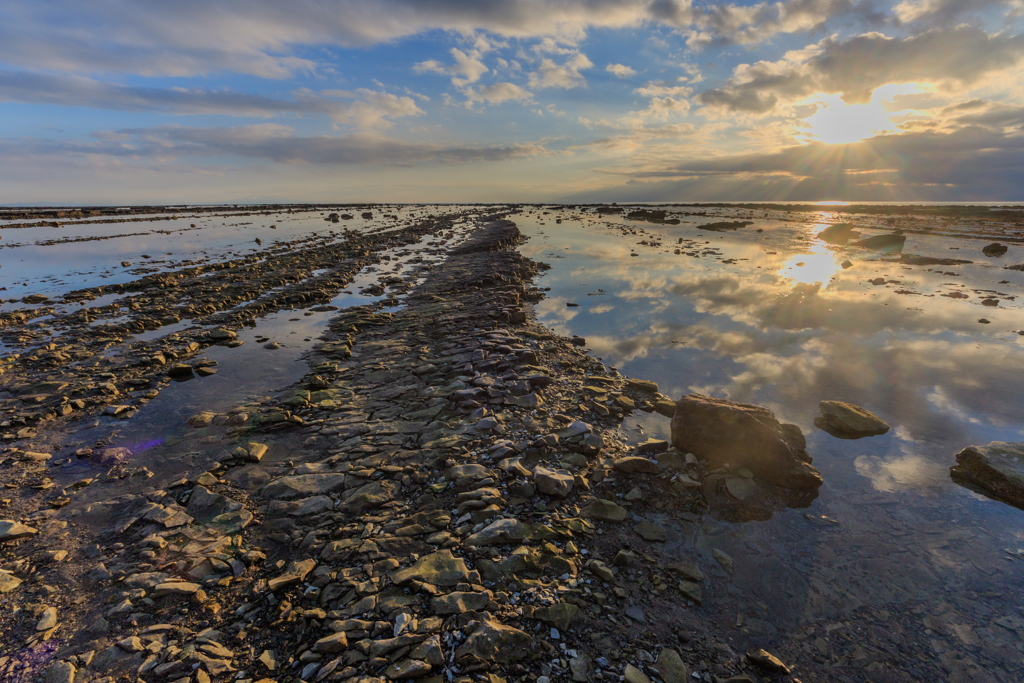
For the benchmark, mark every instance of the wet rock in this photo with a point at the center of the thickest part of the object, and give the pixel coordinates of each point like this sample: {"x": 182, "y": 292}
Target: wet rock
{"x": 767, "y": 661}
{"x": 839, "y": 233}
{"x": 642, "y": 385}
{"x": 849, "y": 421}
{"x": 12, "y": 531}
{"x": 557, "y": 483}
{"x": 741, "y": 488}
{"x": 997, "y": 469}
{"x": 494, "y": 642}
{"x": 994, "y": 250}
{"x": 439, "y": 569}
{"x": 723, "y": 559}
{"x": 635, "y": 675}
{"x": 652, "y": 446}
{"x": 604, "y": 511}
{"x": 499, "y": 532}
{"x": 742, "y": 435}
{"x": 650, "y": 531}
{"x": 671, "y": 667}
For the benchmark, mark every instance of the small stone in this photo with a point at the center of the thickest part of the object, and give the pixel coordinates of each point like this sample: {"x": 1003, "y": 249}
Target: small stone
{"x": 12, "y": 531}
{"x": 499, "y": 532}
{"x": 635, "y": 675}
{"x": 636, "y": 465}
{"x": 671, "y": 667}
{"x": 8, "y": 581}
{"x": 557, "y": 483}
{"x": 723, "y": 559}
{"x": 650, "y": 531}
{"x": 336, "y": 642}
{"x": 175, "y": 588}
{"x": 767, "y": 661}
{"x": 605, "y": 511}
{"x": 60, "y": 672}
{"x": 269, "y": 659}
{"x": 740, "y": 488}
{"x": 48, "y": 620}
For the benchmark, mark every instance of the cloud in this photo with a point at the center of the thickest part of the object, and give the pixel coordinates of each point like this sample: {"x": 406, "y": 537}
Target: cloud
{"x": 724, "y": 24}
{"x": 269, "y": 142}
{"x": 944, "y": 11}
{"x": 370, "y": 109}
{"x": 566, "y": 75}
{"x": 854, "y": 68}
{"x": 468, "y": 67}
{"x": 496, "y": 93}
{"x": 970, "y": 163}
{"x": 620, "y": 70}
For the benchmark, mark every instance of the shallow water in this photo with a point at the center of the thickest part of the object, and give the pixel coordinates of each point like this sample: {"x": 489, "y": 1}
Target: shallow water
{"x": 785, "y": 326}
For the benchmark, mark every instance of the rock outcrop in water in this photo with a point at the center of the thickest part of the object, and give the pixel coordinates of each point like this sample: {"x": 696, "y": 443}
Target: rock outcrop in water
{"x": 840, "y": 233}
{"x": 847, "y": 421}
{"x": 888, "y": 243}
{"x": 743, "y": 435}
{"x": 997, "y": 469}
{"x": 994, "y": 250}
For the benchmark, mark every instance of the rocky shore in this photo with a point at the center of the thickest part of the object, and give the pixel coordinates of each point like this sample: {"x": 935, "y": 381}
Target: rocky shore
{"x": 445, "y": 496}
{"x": 442, "y": 497}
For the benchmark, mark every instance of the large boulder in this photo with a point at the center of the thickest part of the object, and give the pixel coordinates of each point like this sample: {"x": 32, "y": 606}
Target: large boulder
{"x": 848, "y": 421}
{"x": 743, "y": 435}
{"x": 997, "y": 469}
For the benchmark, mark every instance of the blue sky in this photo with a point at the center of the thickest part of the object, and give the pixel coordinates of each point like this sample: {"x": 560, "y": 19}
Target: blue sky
{"x": 139, "y": 101}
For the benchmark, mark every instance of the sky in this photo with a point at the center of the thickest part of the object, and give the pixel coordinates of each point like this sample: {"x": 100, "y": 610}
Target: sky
{"x": 148, "y": 101}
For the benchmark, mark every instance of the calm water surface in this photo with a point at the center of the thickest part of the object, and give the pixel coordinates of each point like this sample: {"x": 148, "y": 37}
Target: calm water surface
{"x": 782, "y": 324}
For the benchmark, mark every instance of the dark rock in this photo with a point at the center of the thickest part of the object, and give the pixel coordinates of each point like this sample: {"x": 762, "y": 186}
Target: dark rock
{"x": 840, "y": 233}
{"x": 742, "y": 435}
{"x": 994, "y": 250}
{"x": 849, "y": 421}
{"x": 997, "y": 469}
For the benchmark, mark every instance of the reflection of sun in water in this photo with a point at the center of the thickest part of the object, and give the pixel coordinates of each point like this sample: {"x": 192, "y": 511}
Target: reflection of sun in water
{"x": 815, "y": 268}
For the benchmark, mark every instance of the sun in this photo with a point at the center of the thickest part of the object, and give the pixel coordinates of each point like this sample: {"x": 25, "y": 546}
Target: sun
{"x": 837, "y": 123}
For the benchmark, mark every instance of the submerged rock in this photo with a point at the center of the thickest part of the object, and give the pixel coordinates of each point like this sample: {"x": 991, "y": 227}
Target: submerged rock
{"x": 994, "y": 250}
{"x": 847, "y": 421}
{"x": 742, "y": 435}
{"x": 997, "y": 469}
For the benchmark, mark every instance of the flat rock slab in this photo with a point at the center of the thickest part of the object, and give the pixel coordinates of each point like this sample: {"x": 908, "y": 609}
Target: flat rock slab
{"x": 848, "y": 421}
{"x": 604, "y": 511}
{"x": 636, "y": 465}
{"x": 499, "y": 532}
{"x": 12, "y": 531}
{"x": 650, "y": 531}
{"x": 303, "y": 486}
{"x": 743, "y": 435}
{"x": 997, "y": 469}
{"x": 440, "y": 569}
{"x": 492, "y": 641}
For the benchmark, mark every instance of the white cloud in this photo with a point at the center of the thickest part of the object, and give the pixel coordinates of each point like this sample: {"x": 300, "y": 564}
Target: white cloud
{"x": 566, "y": 75}
{"x": 620, "y": 70}
{"x": 855, "y": 67}
{"x": 496, "y": 94}
{"x": 468, "y": 67}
